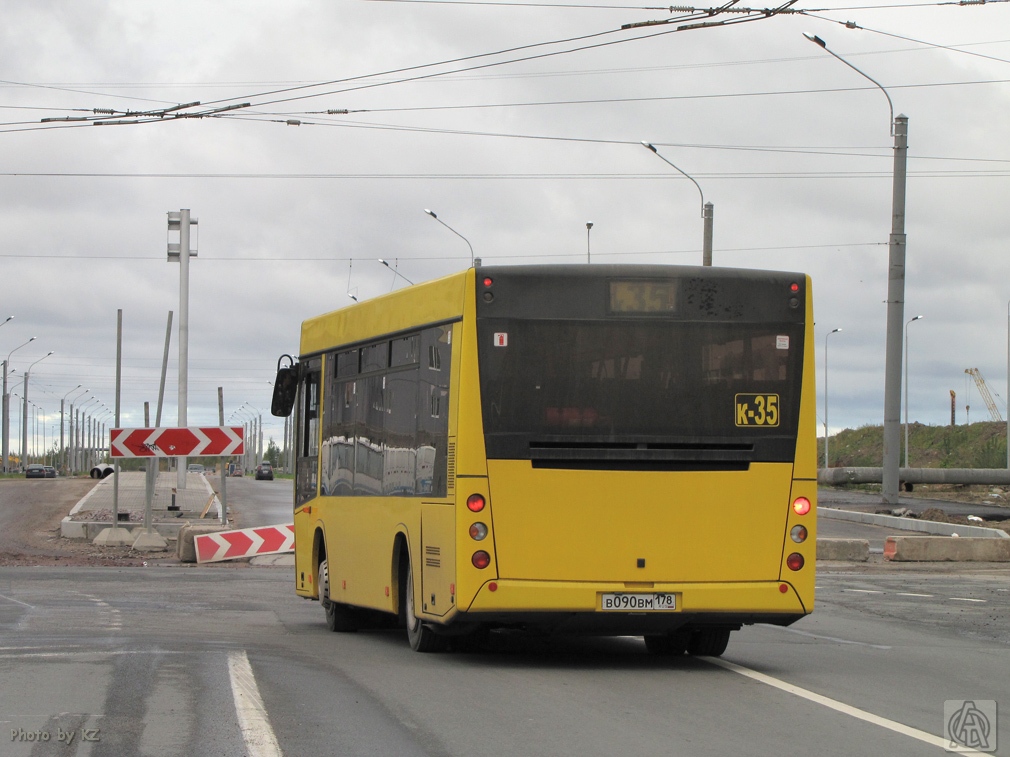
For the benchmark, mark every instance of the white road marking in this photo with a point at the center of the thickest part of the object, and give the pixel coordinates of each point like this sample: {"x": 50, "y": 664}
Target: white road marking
{"x": 825, "y": 638}
{"x": 965, "y": 599}
{"x": 259, "y": 737}
{"x": 837, "y": 706}
{"x": 864, "y": 591}
{"x": 17, "y": 601}
{"x": 912, "y": 594}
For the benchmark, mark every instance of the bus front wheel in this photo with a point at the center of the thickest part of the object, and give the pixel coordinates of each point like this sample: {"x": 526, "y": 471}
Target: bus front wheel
{"x": 339, "y": 617}
{"x": 420, "y": 636}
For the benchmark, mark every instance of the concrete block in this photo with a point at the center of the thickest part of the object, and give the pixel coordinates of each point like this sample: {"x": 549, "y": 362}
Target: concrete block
{"x": 185, "y": 547}
{"x": 946, "y": 549}
{"x": 150, "y": 542}
{"x": 114, "y": 537}
{"x": 851, "y": 550}
{"x": 72, "y": 529}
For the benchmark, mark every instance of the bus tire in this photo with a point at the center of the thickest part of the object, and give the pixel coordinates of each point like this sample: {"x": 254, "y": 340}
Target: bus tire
{"x": 672, "y": 644}
{"x": 339, "y": 617}
{"x": 420, "y": 636}
{"x": 709, "y": 642}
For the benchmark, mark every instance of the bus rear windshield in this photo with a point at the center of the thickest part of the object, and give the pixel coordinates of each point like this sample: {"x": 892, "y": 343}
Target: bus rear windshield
{"x": 644, "y": 384}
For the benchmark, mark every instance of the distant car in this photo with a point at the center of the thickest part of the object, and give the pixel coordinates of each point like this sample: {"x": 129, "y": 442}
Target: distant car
{"x": 50, "y": 471}
{"x": 264, "y": 471}
{"x": 35, "y": 471}
{"x": 195, "y": 468}
{"x": 101, "y": 470}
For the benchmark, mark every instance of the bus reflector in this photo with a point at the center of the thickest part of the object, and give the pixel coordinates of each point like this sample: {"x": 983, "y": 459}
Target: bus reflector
{"x": 475, "y": 502}
{"x": 482, "y": 559}
{"x": 794, "y": 561}
{"x": 801, "y": 505}
{"x": 798, "y": 534}
{"x": 478, "y": 532}
{"x": 783, "y": 588}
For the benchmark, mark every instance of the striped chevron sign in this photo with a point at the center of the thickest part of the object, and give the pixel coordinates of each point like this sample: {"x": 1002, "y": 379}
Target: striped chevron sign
{"x": 177, "y": 442}
{"x": 245, "y": 542}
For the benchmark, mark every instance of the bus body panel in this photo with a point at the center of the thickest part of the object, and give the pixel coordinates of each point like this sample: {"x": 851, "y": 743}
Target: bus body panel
{"x": 565, "y": 525}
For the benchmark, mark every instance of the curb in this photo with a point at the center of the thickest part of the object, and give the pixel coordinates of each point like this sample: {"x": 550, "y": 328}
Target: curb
{"x": 912, "y": 524}
{"x": 938, "y": 549}
{"x": 847, "y": 550}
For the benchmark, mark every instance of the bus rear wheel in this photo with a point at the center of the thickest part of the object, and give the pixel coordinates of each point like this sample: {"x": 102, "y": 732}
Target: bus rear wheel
{"x": 339, "y": 617}
{"x": 670, "y": 644}
{"x": 420, "y": 636}
{"x": 709, "y": 642}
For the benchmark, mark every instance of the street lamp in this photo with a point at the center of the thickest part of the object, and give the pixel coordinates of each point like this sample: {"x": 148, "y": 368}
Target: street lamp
{"x": 707, "y": 209}
{"x": 8, "y": 320}
{"x": 385, "y": 263}
{"x": 589, "y": 227}
{"x": 918, "y": 317}
{"x": 24, "y": 426}
{"x": 7, "y": 405}
{"x": 63, "y": 404}
{"x": 833, "y": 331}
{"x": 895, "y": 292}
{"x": 432, "y": 214}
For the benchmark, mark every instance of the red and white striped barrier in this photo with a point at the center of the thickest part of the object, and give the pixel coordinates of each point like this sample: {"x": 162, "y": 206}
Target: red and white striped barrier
{"x": 245, "y": 542}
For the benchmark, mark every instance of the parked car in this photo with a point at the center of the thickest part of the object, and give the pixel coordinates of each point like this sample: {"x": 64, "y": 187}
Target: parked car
{"x": 35, "y": 471}
{"x": 50, "y": 471}
{"x": 264, "y": 471}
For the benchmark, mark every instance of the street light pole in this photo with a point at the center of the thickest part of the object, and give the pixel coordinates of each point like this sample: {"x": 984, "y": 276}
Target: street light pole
{"x": 589, "y": 227}
{"x": 6, "y": 420}
{"x": 833, "y": 331}
{"x": 24, "y": 425}
{"x": 432, "y": 214}
{"x": 63, "y": 403}
{"x": 906, "y": 384}
{"x": 895, "y": 292}
{"x": 707, "y": 209}
{"x": 386, "y": 263}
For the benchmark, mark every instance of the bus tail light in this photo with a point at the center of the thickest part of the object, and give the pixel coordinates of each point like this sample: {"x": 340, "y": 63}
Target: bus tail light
{"x": 794, "y": 561}
{"x": 478, "y": 532}
{"x": 475, "y": 502}
{"x": 801, "y": 505}
{"x": 798, "y": 534}
{"x": 480, "y": 559}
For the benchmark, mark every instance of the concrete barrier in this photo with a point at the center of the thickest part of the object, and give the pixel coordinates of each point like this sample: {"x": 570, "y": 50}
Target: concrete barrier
{"x": 911, "y": 524}
{"x": 856, "y": 475}
{"x": 185, "y": 546}
{"x": 945, "y": 549}
{"x": 850, "y": 550}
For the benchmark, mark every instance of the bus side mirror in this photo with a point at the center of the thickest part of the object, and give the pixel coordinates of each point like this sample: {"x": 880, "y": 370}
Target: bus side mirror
{"x": 285, "y": 387}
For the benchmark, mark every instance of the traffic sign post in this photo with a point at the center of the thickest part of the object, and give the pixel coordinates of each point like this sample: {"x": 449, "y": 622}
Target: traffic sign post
{"x": 209, "y": 441}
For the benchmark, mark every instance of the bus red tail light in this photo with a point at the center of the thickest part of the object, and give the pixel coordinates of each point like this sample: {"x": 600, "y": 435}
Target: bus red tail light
{"x": 480, "y": 559}
{"x": 801, "y": 505}
{"x": 475, "y": 502}
{"x": 794, "y": 561}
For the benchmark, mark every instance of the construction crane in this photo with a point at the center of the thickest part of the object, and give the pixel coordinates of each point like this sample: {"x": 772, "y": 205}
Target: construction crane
{"x": 983, "y": 389}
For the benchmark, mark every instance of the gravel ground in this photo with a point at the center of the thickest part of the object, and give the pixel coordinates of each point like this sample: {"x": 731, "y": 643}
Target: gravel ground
{"x": 30, "y": 515}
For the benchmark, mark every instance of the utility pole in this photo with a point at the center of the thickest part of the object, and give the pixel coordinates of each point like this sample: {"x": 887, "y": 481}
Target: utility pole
{"x": 181, "y": 252}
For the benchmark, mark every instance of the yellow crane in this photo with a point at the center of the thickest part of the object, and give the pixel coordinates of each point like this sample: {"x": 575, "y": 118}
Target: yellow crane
{"x": 983, "y": 389}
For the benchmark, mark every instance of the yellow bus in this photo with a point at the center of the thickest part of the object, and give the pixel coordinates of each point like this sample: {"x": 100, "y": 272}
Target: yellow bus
{"x": 605, "y": 449}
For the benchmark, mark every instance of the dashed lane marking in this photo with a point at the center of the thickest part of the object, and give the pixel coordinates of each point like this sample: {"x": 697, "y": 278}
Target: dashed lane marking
{"x": 837, "y": 706}
{"x": 252, "y": 715}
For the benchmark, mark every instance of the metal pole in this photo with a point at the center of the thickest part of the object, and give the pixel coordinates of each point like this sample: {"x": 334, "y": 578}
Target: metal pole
{"x": 119, "y": 384}
{"x": 1007, "y": 385}
{"x": 895, "y": 315}
{"x": 708, "y": 212}
{"x": 906, "y": 386}
{"x": 183, "y": 332}
{"x": 589, "y": 227}
{"x": 224, "y": 473}
{"x": 834, "y": 331}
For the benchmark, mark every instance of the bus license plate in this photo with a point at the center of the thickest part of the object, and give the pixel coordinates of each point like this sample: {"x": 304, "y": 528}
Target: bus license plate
{"x": 638, "y": 602}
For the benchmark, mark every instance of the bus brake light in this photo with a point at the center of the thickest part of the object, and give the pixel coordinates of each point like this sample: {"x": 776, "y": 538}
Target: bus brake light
{"x": 801, "y": 505}
{"x": 480, "y": 559}
{"x": 794, "y": 561}
{"x": 475, "y": 502}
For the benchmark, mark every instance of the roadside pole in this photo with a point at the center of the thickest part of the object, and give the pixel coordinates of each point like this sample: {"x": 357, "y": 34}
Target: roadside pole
{"x": 114, "y": 536}
{"x": 222, "y": 466}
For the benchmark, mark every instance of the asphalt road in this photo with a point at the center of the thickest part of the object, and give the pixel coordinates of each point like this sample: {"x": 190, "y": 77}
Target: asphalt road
{"x": 218, "y": 661}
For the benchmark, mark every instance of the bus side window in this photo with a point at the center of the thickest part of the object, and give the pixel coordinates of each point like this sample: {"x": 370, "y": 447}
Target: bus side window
{"x": 307, "y": 465}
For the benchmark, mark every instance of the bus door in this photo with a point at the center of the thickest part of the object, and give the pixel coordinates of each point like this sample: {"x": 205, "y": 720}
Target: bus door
{"x": 306, "y": 472}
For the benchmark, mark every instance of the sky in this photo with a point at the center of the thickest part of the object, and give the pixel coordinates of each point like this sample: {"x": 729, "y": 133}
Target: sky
{"x": 517, "y": 123}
